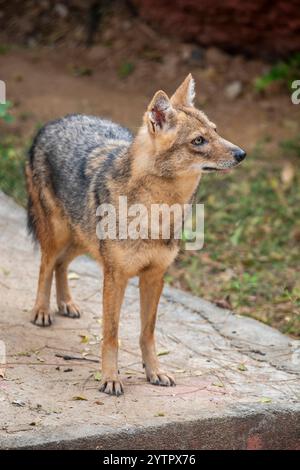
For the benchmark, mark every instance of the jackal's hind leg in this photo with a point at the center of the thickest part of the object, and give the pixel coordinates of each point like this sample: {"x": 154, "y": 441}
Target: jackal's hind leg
{"x": 41, "y": 314}
{"x": 66, "y": 305}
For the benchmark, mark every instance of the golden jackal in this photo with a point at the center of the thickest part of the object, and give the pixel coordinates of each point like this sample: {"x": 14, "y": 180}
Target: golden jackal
{"x": 80, "y": 162}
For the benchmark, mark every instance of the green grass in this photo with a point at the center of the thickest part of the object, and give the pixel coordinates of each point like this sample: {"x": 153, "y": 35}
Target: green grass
{"x": 251, "y": 257}
{"x": 285, "y": 72}
{"x": 11, "y": 159}
{"x": 125, "y": 69}
{"x": 5, "y": 115}
{"x": 292, "y": 146}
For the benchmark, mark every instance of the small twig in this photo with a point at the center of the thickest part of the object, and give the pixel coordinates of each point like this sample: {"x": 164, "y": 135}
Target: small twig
{"x": 84, "y": 299}
{"x": 13, "y": 364}
{"x": 66, "y": 357}
{"x": 177, "y": 394}
{"x": 86, "y": 381}
{"x": 55, "y": 348}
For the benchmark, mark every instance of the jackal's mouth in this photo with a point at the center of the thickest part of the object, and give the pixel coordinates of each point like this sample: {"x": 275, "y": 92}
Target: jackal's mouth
{"x": 211, "y": 168}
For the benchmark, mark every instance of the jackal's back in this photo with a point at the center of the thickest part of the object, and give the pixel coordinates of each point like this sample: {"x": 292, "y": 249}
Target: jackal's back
{"x": 67, "y": 154}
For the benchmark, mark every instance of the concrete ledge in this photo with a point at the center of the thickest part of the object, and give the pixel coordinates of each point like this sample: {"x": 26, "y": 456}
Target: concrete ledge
{"x": 237, "y": 379}
{"x": 238, "y": 429}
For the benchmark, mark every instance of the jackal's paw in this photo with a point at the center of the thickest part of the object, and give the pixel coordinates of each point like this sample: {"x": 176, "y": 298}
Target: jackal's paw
{"x": 41, "y": 316}
{"x": 111, "y": 387}
{"x": 69, "y": 309}
{"x": 160, "y": 378}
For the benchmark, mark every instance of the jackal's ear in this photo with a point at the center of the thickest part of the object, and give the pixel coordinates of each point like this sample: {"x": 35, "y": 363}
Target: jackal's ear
{"x": 160, "y": 115}
{"x": 185, "y": 93}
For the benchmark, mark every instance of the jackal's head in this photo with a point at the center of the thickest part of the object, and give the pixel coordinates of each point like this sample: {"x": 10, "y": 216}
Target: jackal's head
{"x": 177, "y": 138}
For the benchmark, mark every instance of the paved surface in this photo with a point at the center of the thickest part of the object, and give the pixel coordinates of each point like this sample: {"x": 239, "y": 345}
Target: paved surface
{"x": 237, "y": 379}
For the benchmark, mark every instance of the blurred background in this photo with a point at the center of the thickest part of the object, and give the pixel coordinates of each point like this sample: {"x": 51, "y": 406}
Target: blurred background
{"x": 109, "y": 57}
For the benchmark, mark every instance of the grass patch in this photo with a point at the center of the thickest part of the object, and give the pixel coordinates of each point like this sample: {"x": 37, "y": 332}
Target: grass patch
{"x": 251, "y": 257}
{"x": 285, "y": 72}
{"x": 12, "y": 161}
{"x": 292, "y": 146}
{"x": 125, "y": 69}
{"x": 5, "y": 115}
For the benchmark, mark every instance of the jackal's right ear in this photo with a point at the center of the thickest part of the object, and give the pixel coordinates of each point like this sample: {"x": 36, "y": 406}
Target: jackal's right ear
{"x": 161, "y": 116}
{"x": 185, "y": 93}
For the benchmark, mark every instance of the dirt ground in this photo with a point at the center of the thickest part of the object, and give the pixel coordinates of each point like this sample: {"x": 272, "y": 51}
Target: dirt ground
{"x": 116, "y": 77}
{"x": 44, "y": 84}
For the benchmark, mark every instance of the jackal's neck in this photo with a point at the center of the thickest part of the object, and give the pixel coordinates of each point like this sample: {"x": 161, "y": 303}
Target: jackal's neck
{"x": 145, "y": 178}
{"x": 177, "y": 190}
{"x": 186, "y": 186}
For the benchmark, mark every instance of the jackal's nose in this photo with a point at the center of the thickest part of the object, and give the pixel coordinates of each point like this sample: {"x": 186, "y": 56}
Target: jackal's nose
{"x": 239, "y": 154}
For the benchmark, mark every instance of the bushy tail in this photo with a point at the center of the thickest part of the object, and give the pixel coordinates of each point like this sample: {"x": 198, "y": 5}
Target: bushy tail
{"x": 31, "y": 220}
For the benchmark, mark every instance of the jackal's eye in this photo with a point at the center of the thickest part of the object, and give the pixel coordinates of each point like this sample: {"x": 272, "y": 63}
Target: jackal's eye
{"x": 198, "y": 140}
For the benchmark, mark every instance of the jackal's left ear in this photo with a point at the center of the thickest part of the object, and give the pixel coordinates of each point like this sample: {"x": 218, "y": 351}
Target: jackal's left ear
{"x": 185, "y": 93}
{"x": 161, "y": 115}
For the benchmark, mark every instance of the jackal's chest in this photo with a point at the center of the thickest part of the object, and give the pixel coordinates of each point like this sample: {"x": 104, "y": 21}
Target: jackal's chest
{"x": 132, "y": 257}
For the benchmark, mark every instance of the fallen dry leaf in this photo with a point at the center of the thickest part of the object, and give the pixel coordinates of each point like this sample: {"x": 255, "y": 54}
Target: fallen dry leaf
{"x": 79, "y": 398}
{"x": 130, "y": 372}
{"x": 40, "y": 359}
{"x": 73, "y": 276}
{"x": 296, "y": 234}
{"x": 5, "y": 271}
{"x": 265, "y": 400}
{"x": 24, "y": 354}
{"x": 84, "y": 339}
{"x": 224, "y": 303}
{"x": 217, "y": 384}
{"x": 287, "y": 174}
{"x": 97, "y": 376}
{"x": 163, "y": 352}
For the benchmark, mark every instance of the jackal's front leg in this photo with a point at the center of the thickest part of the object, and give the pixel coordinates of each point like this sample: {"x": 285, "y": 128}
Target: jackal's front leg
{"x": 151, "y": 285}
{"x": 113, "y": 293}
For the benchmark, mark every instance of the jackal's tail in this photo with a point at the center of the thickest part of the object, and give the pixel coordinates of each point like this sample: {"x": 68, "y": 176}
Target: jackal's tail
{"x": 31, "y": 219}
